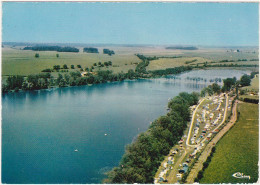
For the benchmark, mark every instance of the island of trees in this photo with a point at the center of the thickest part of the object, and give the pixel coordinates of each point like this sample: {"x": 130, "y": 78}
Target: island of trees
{"x": 108, "y": 51}
{"x": 52, "y": 48}
{"x": 90, "y": 50}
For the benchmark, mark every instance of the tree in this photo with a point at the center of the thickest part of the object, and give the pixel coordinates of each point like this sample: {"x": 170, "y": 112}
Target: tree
{"x": 130, "y": 74}
{"x": 60, "y": 81}
{"x": 79, "y": 66}
{"x": 46, "y": 70}
{"x": 228, "y": 83}
{"x": 14, "y": 82}
{"x": 56, "y": 67}
{"x": 216, "y": 88}
{"x": 37, "y": 55}
{"x": 95, "y": 64}
{"x": 200, "y": 174}
{"x": 65, "y": 66}
{"x": 106, "y": 63}
{"x": 72, "y": 67}
{"x": 57, "y": 55}
{"x": 245, "y": 80}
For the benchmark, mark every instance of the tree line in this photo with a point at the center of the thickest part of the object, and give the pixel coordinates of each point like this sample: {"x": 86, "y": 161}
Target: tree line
{"x": 143, "y": 157}
{"x": 45, "y": 80}
{"x": 183, "y": 47}
{"x": 52, "y": 48}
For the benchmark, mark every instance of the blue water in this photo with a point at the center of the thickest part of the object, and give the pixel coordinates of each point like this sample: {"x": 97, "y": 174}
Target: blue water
{"x": 41, "y": 129}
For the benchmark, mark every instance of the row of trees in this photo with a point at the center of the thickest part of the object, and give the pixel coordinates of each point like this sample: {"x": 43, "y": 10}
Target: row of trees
{"x": 52, "y": 48}
{"x": 99, "y": 64}
{"x": 168, "y": 71}
{"x": 205, "y": 165}
{"x": 229, "y": 65}
{"x": 65, "y": 66}
{"x": 182, "y": 47}
{"x": 143, "y": 157}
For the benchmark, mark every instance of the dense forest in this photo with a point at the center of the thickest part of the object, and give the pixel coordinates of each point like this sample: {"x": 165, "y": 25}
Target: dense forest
{"x": 143, "y": 157}
{"x": 90, "y": 50}
{"x": 52, "y": 48}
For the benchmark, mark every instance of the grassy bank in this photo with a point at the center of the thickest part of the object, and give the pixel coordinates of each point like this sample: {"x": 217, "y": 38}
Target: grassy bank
{"x": 237, "y": 151}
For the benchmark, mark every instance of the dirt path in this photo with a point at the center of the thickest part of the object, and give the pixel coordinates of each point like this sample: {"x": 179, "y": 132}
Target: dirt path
{"x": 199, "y": 164}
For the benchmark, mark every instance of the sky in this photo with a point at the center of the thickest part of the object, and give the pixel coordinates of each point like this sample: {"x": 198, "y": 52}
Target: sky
{"x": 210, "y": 24}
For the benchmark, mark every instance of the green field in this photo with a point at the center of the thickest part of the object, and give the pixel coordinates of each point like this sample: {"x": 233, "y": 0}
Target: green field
{"x": 16, "y": 61}
{"x": 164, "y": 63}
{"x": 237, "y": 151}
{"x": 20, "y": 62}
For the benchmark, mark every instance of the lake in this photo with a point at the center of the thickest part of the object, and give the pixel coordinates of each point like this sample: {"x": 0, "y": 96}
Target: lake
{"x": 42, "y": 129}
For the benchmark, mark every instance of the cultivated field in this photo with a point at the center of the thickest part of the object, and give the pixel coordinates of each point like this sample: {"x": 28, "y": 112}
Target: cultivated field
{"x": 164, "y": 63}
{"x": 16, "y": 61}
{"x": 20, "y": 62}
{"x": 237, "y": 151}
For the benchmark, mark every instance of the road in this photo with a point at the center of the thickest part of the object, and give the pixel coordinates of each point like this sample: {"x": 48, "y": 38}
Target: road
{"x": 191, "y": 125}
{"x": 199, "y": 164}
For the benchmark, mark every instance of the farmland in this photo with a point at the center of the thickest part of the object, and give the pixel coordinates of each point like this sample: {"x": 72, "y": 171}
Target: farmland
{"x": 16, "y": 61}
{"x": 164, "y": 63}
{"x": 237, "y": 151}
{"x": 20, "y": 62}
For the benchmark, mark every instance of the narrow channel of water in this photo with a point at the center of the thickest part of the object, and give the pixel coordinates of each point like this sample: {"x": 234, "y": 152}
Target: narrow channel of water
{"x": 42, "y": 129}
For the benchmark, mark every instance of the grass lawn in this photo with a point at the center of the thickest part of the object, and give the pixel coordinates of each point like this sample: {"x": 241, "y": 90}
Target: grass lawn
{"x": 237, "y": 151}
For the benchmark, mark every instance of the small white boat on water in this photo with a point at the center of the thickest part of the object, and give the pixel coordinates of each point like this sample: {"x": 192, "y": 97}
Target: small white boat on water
{"x": 76, "y": 150}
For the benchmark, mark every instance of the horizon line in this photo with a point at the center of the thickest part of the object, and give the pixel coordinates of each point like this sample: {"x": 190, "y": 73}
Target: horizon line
{"x": 125, "y": 44}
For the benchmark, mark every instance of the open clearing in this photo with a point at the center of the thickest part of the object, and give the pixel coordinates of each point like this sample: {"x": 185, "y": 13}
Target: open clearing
{"x": 237, "y": 151}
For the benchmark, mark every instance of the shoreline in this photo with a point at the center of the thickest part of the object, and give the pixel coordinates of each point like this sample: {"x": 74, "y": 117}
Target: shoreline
{"x": 141, "y": 78}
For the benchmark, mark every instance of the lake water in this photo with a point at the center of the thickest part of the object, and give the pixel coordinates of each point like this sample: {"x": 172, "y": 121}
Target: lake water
{"x": 42, "y": 129}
